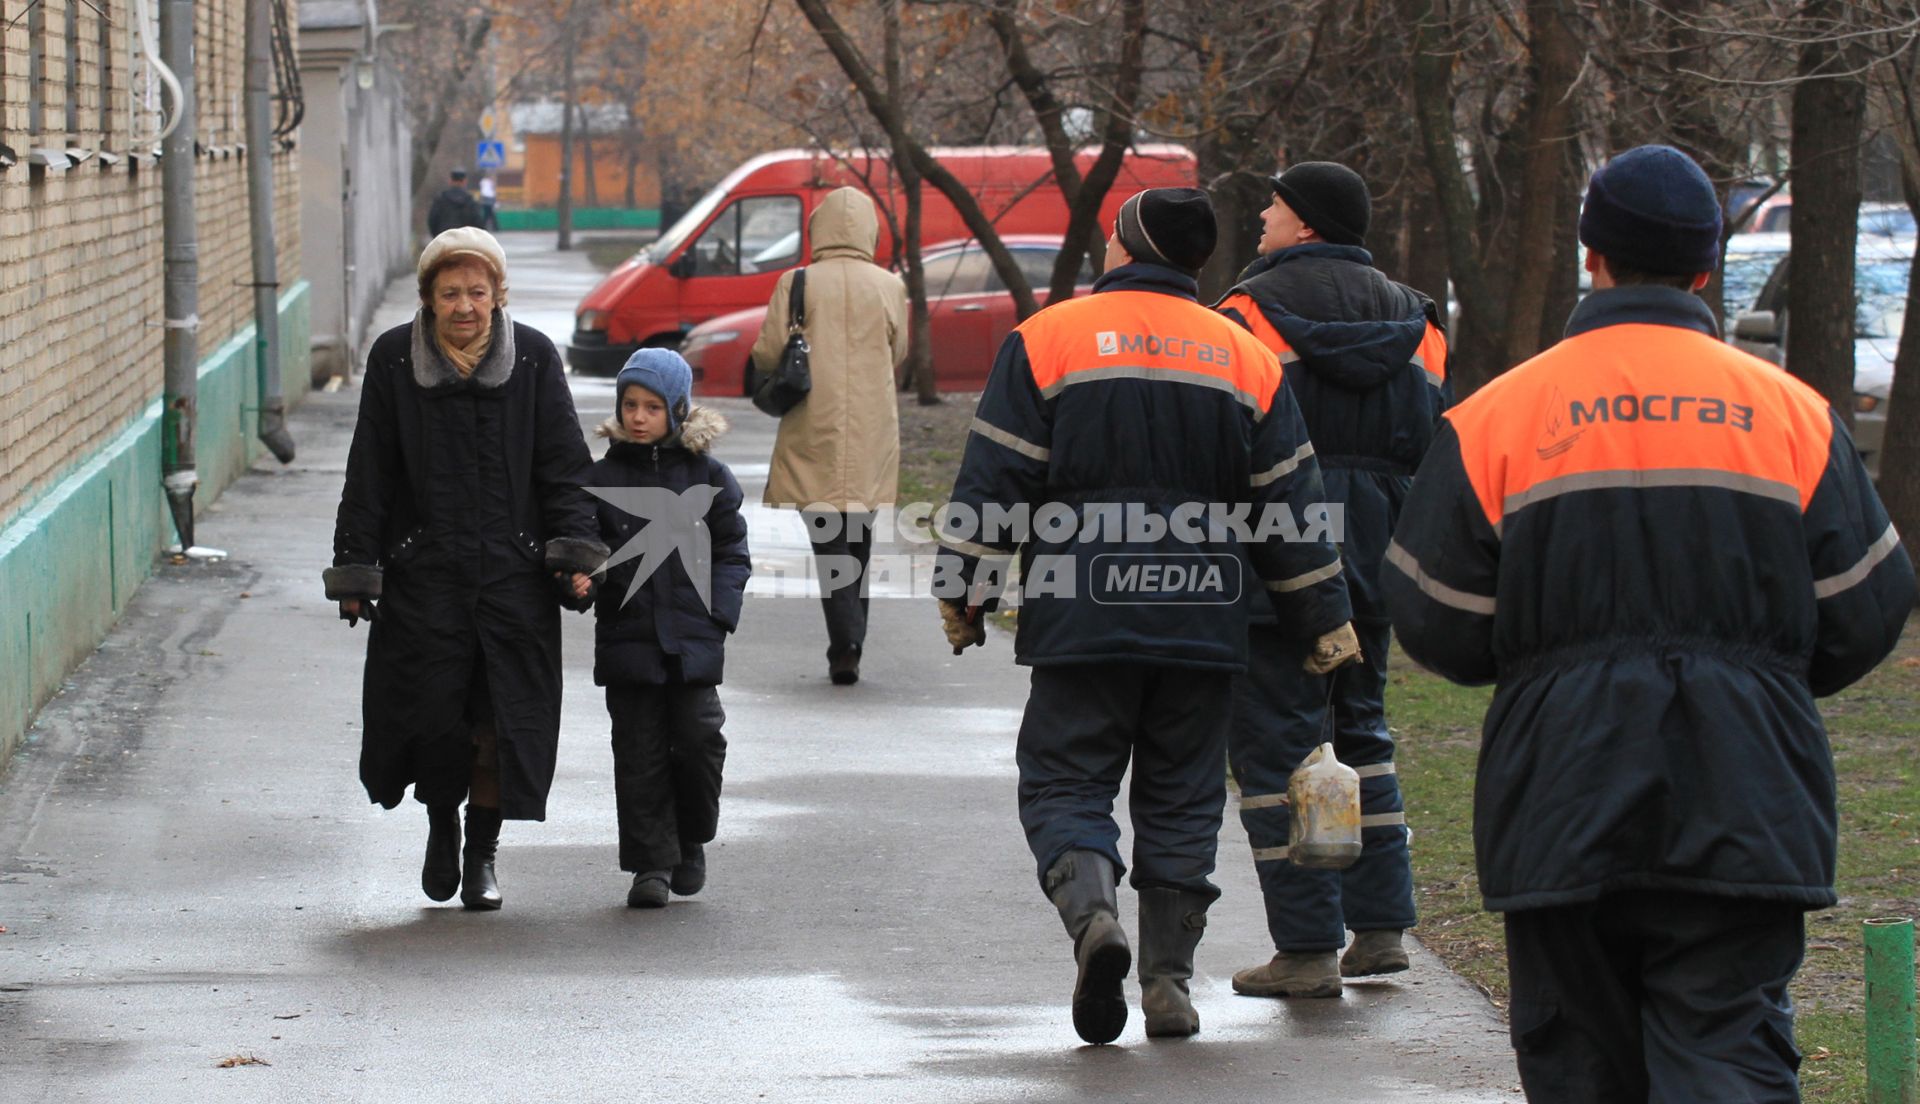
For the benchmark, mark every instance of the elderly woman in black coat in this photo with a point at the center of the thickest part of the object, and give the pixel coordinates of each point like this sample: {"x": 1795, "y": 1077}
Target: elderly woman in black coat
{"x": 463, "y": 501}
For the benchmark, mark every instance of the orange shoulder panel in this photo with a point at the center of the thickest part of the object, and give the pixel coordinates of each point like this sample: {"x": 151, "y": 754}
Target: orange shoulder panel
{"x": 1641, "y": 405}
{"x": 1432, "y": 354}
{"x": 1147, "y": 335}
{"x": 1258, "y": 325}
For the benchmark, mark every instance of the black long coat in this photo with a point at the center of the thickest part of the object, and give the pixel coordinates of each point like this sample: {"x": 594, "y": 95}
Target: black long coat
{"x": 462, "y": 496}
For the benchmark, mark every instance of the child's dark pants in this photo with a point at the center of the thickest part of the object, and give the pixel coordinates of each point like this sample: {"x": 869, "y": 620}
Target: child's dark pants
{"x": 667, "y": 756}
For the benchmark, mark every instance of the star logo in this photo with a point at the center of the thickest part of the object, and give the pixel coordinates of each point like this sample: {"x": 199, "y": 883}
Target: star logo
{"x": 672, "y": 522}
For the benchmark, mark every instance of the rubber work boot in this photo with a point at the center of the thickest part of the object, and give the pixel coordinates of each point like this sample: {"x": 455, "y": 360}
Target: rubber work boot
{"x": 690, "y": 877}
{"x": 1292, "y": 974}
{"x": 649, "y": 890}
{"x": 1374, "y": 952}
{"x": 1082, "y": 886}
{"x": 440, "y": 874}
{"x": 1171, "y": 924}
{"x": 479, "y": 889}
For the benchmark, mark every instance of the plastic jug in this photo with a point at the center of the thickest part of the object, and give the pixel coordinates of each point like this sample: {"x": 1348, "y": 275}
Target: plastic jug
{"x": 1324, "y": 796}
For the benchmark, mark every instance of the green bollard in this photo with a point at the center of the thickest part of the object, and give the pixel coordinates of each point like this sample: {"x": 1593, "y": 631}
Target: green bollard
{"x": 1891, "y": 1075}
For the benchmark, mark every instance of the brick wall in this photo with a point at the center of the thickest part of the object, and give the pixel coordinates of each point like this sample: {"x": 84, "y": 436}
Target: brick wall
{"x": 80, "y": 249}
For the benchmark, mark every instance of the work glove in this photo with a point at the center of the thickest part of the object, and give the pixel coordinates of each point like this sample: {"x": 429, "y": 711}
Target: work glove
{"x": 353, "y": 609}
{"x": 1338, "y": 647}
{"x": 962, "y": 625}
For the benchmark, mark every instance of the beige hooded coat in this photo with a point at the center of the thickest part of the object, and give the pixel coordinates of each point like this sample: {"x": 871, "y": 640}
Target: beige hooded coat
{"x": 841, "y": 447}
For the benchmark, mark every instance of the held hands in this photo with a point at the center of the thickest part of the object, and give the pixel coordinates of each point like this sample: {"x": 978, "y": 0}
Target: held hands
{"x": 1341, "y": 646}
{"x": 353, "y": 609}
{"x": 962, "y": 625}
{"x": 575, "y": 590}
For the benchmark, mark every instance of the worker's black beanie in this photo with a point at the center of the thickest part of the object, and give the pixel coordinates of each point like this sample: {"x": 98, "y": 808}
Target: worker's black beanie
{"x": 1169, "y": 226}
{"x": 1654, "y": 209}
{"x": 1330, "y": 198}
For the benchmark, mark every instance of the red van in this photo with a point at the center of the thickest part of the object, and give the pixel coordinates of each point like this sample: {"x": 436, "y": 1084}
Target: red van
{"x": 725, "y": 253}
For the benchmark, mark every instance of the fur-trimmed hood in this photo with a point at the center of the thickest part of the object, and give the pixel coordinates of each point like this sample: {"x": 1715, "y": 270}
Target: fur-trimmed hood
{"x": 433, "y": 371}
{"x": 704, "y": 426}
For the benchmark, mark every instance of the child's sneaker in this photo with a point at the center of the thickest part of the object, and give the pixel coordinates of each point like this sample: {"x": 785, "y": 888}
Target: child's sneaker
{"x": 649, "y": 890}
{"x": 690, "y": 877}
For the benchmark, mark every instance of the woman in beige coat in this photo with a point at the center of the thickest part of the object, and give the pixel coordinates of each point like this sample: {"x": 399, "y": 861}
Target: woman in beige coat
{"x": 837, "y": 457}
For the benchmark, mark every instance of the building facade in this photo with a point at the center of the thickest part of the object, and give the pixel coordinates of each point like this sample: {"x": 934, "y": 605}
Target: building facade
{"x": 82, "y": 514}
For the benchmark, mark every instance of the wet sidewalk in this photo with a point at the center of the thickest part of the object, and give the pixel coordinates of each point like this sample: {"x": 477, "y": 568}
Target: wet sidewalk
{"x": 191, "y": 875}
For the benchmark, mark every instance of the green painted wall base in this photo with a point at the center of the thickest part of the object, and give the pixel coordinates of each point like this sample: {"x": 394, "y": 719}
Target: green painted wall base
{"x": 584, "y": 218}
{"x": 71, "y": 560}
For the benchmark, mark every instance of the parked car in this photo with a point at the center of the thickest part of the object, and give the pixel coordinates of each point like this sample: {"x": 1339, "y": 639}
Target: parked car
{"x": 727, "y": 251}
{"x": 1882, "y": 267}
{"x": 1887, "y": 220}
{"x": 1745, "y": 266}
{"x": 970, "y": 312}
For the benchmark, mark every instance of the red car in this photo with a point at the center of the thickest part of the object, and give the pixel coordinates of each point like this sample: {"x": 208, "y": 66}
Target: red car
{"x": 970, "y": 312}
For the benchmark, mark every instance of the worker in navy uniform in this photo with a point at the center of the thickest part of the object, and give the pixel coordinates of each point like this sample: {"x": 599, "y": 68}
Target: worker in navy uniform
{"x": 1366, "y": 359}
{"x": 1138, "y": 401}
{"x": 1660, "y": 550}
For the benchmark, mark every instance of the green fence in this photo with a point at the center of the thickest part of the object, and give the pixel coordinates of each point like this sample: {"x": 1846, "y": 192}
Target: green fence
{"x": 584, "y": 218}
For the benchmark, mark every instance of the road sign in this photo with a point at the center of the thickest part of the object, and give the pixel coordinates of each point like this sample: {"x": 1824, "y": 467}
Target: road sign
{"x": 490, "y": 155}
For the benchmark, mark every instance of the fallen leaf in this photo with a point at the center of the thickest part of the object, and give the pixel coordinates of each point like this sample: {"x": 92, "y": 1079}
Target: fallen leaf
{"x": 286, "y": 1015}
{"x": 1823, "y": 946}
{"x": 1818, "y": 1054}
{"x": 241, "y": 1060}
{"x": 1909, "y": 662}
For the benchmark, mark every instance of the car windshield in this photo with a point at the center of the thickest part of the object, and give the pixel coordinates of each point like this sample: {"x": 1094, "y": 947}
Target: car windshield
{"x": 1742, "y": 277}
{"x": 1880, "y": 299}
{"x": 686, "y": 224}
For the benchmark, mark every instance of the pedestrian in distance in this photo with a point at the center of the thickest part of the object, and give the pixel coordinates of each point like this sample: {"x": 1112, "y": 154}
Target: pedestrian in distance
{"x": 1660, "y": 550}
{"x": 1138, "y": 399}
{"x": 836, "y": 457}
{"x": 454, "y": 207}
{"x": 671, "y": 593}
{"x": 462, "y": 514}
{"x": 1365, "y": 359}
{"x": 489, "y": 203}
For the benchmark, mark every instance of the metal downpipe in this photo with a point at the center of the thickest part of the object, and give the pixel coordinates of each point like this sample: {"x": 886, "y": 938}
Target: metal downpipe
{"x": 179, "y": 414}
{"x": 272, "y": 427}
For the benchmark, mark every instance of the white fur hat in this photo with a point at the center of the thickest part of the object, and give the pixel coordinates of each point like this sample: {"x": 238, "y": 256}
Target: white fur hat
{"x": 463, "y": 242}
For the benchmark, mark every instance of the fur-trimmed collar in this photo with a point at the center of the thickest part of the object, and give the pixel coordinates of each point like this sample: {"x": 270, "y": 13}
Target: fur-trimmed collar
{"x": 704, "y": 426}
{"x": 433, "y": 371}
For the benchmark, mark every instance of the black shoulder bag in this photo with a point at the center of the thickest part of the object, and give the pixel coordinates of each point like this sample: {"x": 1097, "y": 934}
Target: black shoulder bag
{"x": 787, "y": 386}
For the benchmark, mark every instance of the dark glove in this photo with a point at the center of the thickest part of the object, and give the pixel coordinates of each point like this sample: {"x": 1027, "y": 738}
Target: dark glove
{"x": 353, "y": 609}
{"x": 563, "y": 586}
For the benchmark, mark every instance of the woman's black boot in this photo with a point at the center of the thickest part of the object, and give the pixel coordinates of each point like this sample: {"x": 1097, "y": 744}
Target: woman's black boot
{"x": 440, "y": 874}
{"x": 479, "y": 889}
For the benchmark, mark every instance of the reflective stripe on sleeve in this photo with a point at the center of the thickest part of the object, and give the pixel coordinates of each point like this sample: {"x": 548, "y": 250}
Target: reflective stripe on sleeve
{"x": 1283, "y": 468}
{"x": 1383, "y": 820}
{"x": 1018, "y": 444}
{"x": 1269, "y": 854}
{"x": 1263, "y": 801}
{"x": 1301, "y": 582}
{"x": 1398, "y": 556}
{"x": 1375, "y": 770}
{"x": 969, "y": 548}
{"x": 1857, "y": 574}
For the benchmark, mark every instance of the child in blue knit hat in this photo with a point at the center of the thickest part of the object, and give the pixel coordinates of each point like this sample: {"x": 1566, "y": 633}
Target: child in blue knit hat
{"x": 670, "y": 594}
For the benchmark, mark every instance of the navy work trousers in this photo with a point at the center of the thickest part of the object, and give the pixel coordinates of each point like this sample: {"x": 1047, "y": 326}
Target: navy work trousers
{"x": 1083, "y": 725}
{"x": 1279, "y": 717}
{"x": 1657, "y": 996}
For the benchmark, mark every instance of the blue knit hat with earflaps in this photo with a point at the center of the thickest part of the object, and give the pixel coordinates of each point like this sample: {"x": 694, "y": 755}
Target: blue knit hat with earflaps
{"x": 666, "y": 374}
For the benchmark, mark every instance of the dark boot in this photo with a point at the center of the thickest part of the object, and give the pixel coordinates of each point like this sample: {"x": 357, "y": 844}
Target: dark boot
{"x": 844, "y": 669}
{"x": 690, "y": 876}
{"x": 479, "y": 889}
{"x": 440, "y": 874}
{"x": 1171, "y": 924}
{"x": 1082, "y": 886}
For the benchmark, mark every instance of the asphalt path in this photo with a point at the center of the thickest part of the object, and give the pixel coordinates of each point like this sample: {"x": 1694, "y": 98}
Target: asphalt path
{"x": 200, "y": 905}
